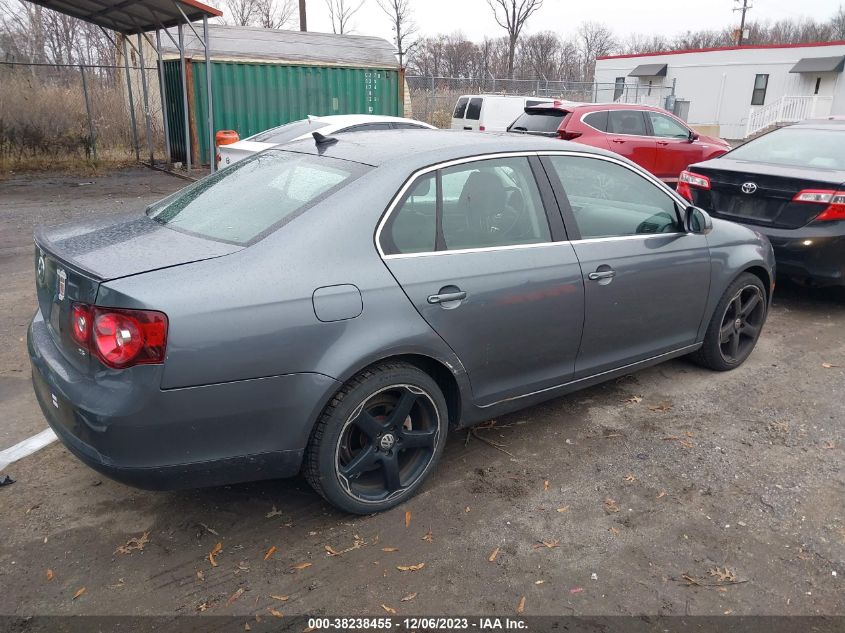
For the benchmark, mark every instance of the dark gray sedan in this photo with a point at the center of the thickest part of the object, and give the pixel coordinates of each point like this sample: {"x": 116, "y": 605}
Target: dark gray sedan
{"x": 336, "y": 307}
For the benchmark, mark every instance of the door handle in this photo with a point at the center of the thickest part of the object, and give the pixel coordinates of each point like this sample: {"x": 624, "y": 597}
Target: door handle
{"x": 446, "y": 297}
{"x": 662, "y": 142}
{"x": 618, "y": 140}
{"x": 599, "y": 275}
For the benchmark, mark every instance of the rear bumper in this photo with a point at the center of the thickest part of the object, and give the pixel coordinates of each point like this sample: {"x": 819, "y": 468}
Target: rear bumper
{"x": 814, "y": 253}
{"x": 122, "y": 425}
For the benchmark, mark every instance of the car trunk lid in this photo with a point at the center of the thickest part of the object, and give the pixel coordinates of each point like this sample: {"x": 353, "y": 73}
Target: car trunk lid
{"x": 72, "y": 260}
{"x": 761, "y": 194}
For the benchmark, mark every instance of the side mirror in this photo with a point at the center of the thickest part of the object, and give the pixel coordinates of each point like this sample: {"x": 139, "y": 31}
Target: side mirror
{"x": 697, "y": 220}
{"x": 693, "y": 136}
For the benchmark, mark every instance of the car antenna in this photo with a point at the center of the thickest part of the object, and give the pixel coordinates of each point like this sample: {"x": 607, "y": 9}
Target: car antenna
{"x": 323, "y": 140}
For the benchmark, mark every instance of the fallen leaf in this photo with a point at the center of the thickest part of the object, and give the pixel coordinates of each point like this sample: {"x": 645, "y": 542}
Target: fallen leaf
{"x": 202, "y": 607}
{"x": 467, "y": 509}
{"x": 331, "y": 551}
{"x": 135, "y": 543}
{"x": 520, "y": 608}
{"x": 610, "y": 505}
{"x": 663, "y": 406}
{"x": 388, "y": 609}
{"x": 546, "y": 484}
{"x": 562, "y": 509}
{"x": 539, "y": 582}
{"x": 247, "y": 627}
{"x": 728, "y": 612}
{"x": 724, "y": 575}
{"x": 409, "y": 597}
{"x": 416, "y": 567}
{"x": 829, "y": 365}
{"x": 301, "y": 566}
{"x": 270, "y": 552}
{"x": 549, "y": 544}
{"x": 275, "y": 613}
{"x": 661, "y": 494}
{"x": 407, "y": 518}
{"x": 389, "y": 549}
{"x": 281, "y": 598}
{"x": 634, "y": 400}
{"x": 235, "y": 596}
{"x": 212, "y": 555}
{"x": 273, "y": 513}
{"x": 50, "y": 575}
{"x": 78, "y": 593}
{"x": 613, "y": 530}
{"x": 429, "y": 537}
{"x": 493, "y": 555}
{"x": 629, "y": 478}
{"x": 200, "y": 575}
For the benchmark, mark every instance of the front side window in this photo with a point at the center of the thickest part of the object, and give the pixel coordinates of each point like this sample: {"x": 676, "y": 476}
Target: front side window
{"x": 460, "y": 108}
{"x": 667, "y": 127}
{"x": 629, "y": 122}
{"x": 482, "y": 204}
{"x": 254, "y": 196}
{"x": 609, "y": 200}
{"x": 474, "y": 108}
{"x": 758, "y": 96}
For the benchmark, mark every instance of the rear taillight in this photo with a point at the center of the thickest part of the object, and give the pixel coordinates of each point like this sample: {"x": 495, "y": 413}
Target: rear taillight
{"x": 568, "y": 136}
{"x": 687, "y": 180}
{"x": 481, "y": 128}
{"x": 834, "y": 201}
{"x": 120, "y": 337}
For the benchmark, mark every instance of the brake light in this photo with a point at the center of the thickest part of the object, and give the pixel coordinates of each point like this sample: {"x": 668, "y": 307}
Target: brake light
{"x": 835, "y": 201}
{"x": 481, "y": 128}
{"x": 120, "y": 337}
{"x": 568, "y": 136}
{"x": 687, "y": 180}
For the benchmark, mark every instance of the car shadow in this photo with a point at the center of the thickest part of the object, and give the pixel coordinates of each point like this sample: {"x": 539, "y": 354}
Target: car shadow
{"x": 793, "y": 296}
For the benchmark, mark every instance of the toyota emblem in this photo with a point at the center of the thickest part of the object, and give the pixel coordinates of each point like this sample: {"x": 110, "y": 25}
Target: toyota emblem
{"x": 749, "y": 187}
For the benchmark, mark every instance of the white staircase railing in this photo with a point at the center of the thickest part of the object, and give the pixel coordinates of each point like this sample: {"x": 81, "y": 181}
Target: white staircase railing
{"x": 787, "y": 109}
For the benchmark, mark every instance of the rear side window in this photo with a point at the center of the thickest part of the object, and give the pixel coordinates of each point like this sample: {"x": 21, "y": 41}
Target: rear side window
{"x": 482, "y": 204}
{"x": 597, "y": 120}
{"x": 538, "y": 121}
{"x": 474, "y": 109}
{"x": 629, "y": 122}
{"x": 254, "y": 196}
{"x": 461, "y": 108}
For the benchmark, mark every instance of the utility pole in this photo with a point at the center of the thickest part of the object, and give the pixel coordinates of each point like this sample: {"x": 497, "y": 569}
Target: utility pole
{"x": 745, "y": 7}
{"x": 303, "y": 23}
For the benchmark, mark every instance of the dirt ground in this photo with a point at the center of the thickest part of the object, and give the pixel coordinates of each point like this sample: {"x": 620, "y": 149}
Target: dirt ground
{"x": 675, "y": 491}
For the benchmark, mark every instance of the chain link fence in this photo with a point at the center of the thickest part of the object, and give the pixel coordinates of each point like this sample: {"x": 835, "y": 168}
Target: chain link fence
{"x": 53, "y": 114}
{"x": 433, "y": 98}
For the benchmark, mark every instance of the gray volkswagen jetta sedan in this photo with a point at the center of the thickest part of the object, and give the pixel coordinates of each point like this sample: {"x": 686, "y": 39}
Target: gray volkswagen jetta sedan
{"x": 335, "y": 307}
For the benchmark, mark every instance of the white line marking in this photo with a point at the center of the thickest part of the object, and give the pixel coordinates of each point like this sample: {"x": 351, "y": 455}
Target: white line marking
{"x": 27, "y": 447}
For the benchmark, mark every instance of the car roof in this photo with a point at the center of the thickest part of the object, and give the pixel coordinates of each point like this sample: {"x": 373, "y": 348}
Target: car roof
{"x": 826, "y": 123}
{"x": 414, "y": 149}
{"x": 569, "y": 106}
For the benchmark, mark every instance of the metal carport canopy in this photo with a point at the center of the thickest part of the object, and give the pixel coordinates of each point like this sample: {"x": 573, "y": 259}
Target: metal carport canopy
{"x": 819, "y": 65}
{"x": 649, "y": 70}
{"x": 132, "y": 16}
{"x": 137, "y": 17}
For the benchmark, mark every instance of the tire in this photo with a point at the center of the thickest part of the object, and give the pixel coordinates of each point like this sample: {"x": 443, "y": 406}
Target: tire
{"x": 736, "y": 325}
{"x": 378, "y": 439}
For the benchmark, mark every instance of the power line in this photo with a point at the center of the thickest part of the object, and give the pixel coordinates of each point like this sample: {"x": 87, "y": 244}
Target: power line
{"x": 745, "y": 7}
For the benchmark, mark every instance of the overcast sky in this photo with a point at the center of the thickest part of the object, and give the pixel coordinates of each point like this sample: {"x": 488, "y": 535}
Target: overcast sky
{"x": 475, "y": 19}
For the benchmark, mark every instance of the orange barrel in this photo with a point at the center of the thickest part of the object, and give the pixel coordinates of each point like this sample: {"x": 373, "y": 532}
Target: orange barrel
{"x": 226, "y": 137}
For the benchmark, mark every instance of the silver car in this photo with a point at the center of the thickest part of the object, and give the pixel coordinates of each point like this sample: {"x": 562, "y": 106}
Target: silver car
{"x": 337, "y": 306}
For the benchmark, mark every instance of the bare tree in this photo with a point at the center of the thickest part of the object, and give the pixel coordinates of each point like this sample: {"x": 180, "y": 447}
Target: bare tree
{"x": 341, "y": 12}
{"x": 402, "y": 23}
{"x": 513, "y": 16}
{"x": 594, "y": 40}
{"x": 837, "y": 24}
{"x": 242, "y": 12}
{"x": 275, "y": 14}
{"x": 538, "y": 55}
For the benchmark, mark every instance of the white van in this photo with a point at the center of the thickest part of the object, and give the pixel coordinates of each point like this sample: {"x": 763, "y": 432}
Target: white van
{"x": 490, "y": 113}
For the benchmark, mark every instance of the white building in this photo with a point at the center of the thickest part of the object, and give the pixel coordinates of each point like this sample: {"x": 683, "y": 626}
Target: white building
{"x": 738, "y": 90}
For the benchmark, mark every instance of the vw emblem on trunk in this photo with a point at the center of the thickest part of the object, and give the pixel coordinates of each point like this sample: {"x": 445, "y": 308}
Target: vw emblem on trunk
{"x": 62, "y": 275}
{"x": 749, "y": 187}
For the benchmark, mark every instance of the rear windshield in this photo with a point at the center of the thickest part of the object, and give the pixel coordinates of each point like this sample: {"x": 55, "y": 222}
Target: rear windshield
{"x": 460, "y": 108}
{"x": 286, "y": 133}
{"x": 798, "y": 147}
{"x": 544, "y": 122}
{"x": 254, "y": 196}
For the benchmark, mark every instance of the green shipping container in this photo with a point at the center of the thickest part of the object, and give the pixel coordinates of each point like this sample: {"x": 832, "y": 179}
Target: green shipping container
{"x": 250, "y": 97}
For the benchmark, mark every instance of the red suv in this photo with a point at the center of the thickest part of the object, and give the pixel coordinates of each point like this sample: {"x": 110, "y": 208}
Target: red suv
{"x": 651, "y": 137}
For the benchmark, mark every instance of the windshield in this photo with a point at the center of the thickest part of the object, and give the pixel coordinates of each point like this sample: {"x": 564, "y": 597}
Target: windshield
{"x": 798, "y": 147}
{"x": 538, "y": 122}
{"x": 286, "y": 133}
{"x": 254, "y": 196}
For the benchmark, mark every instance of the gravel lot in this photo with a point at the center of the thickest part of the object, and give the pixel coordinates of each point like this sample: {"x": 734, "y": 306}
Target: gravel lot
{"x": 673, "y": 491}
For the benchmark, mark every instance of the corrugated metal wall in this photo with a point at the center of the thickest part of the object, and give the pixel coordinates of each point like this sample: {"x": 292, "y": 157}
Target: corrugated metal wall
{"x": 252, "y": 97}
